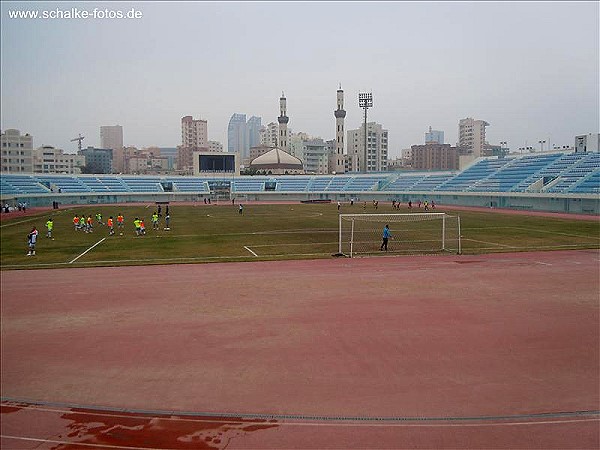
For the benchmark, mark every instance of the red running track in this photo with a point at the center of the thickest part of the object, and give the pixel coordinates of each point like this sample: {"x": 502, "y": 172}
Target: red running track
{"x": 494, "y": 351}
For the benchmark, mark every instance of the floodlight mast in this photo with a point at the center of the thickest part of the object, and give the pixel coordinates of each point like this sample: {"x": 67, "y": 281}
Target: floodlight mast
{"x": 365, "y": 101}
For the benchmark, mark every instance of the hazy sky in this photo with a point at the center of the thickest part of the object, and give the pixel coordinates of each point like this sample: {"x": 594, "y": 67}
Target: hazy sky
{"x": 530, "y": 69}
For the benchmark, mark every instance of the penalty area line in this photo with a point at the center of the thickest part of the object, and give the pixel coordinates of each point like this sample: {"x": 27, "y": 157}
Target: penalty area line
{"x": 250, "y": 251}
{"x": 99, "y": 242}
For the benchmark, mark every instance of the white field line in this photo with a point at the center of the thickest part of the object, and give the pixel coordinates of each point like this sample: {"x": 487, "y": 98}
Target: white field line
{"x": 287, "y": 244}
{"x": 250, "y": 251}
{"x": 557, "y": 233}
{"x": 20, "y": 222}
{"x": 99, "y": 242}
{"x": 36, "y": 217}
{"x": 489, "y": 243}
{"x": 257, "y": 233}
{"x": 286, "y": 255}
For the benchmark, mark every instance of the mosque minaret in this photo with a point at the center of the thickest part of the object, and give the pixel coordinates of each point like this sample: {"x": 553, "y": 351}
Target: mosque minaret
{"x": 339, "y": 114}
{"x": 283, "y": 120}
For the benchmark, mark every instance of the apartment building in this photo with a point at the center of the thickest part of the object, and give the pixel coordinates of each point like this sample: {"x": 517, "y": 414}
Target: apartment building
{"x": 471, "y": 135}
{"x": 374, "y": 157}
{"x": 17, "y": 152}
{"x": 47, "y": 159}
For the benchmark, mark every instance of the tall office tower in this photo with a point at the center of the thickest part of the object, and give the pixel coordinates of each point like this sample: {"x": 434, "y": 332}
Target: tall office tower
{"x": 194, "y": 133}
{"x": 434, "y": 137}
{"x": 374, "y": 159}
{"x": 339, "y": 114}
{"x": 111, "y": 137}
{"x": 237, "y": 136}
{"x": 283, "y": 120}
{"x": 471, "y": 134}
{"x": 253, "y": 126}
{"x": 17, "y": 151}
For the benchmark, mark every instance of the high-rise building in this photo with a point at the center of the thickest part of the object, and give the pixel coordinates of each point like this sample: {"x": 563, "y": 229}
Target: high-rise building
{"x": 253, "y": 126}
{"x": 194, "y": 133}
{"x": 471, "y": 135}
{"x": 316, "y": 156}
{"x": 283, "y": 120}
{"x": 237, "y": 136}
{"x": 372, "y": 159}
{"x": 111, "y": 136}
{"x": 268, "y": 135}
{"x": 17, "y": 152}
{"x": 339, "y": 114}
{"x": 434, "y": 137}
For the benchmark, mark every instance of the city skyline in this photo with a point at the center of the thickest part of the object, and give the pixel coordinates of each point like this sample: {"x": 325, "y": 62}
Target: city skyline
{"x": 521, "y": 67}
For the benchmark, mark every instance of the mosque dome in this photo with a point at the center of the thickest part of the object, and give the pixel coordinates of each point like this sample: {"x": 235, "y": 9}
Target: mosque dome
{"x": 276, "y": 159}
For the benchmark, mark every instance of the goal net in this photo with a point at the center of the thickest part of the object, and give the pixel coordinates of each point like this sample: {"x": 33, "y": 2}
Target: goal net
{"x": 417, "y": 233}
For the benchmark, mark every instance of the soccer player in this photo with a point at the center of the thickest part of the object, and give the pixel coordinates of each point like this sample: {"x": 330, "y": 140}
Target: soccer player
{"x": 155, "y": 221}
{"x": 99, "y": 219}
{"x": 111, "y": 228}
{"x": 49, "y": 226}
{"x": 167, "y": 220}
{"x": 120, "y": 223}
{"x": 386, "y": 236}
{"x": 76, "y": 222}
{"x": 142, "y": 227}
{"x": 136, "y": 222}
{"x": 31, "y": 241}
{"x": 241, "y": 209}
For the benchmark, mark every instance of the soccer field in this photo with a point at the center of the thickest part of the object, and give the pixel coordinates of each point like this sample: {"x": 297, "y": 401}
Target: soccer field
{"x": 218, "y": 233}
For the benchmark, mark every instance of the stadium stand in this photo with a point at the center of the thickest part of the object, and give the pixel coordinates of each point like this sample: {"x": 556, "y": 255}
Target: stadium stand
{"x": 63, "y": 184}
{"x": 544, "y": 175}
{"x": 295, "y": 184}
{"x": 143, "y": 184}
{"x": 184, "y": 184}
{"x": 250, "y": 184}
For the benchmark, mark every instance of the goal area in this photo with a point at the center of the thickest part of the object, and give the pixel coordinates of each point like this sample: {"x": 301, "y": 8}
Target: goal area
{"x": 416, "y": 233}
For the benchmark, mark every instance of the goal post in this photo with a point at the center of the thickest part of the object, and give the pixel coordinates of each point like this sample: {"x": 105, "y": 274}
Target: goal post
{"x": 412, "y": 233}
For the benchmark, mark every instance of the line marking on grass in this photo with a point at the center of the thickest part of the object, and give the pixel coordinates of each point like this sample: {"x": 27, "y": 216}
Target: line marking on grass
{"x": 99, "y": 242}
{"x": 250, "y": 251}
{"x": 490, "y": 243}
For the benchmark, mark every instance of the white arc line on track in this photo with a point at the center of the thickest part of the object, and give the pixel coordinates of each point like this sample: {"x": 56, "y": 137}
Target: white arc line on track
{"x": 250, "y": 251}
{"x": 99, "y": 242}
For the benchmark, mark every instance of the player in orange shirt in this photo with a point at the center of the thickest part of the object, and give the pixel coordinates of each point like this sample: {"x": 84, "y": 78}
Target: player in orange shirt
{"x": 111, "y": 228}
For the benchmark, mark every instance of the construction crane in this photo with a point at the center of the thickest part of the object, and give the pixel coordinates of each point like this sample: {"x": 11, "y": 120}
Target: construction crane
{"x": 78, "y": 139}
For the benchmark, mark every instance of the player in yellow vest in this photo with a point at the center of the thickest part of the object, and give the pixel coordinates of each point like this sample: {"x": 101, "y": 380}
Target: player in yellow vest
{"x": 49, "y": 226}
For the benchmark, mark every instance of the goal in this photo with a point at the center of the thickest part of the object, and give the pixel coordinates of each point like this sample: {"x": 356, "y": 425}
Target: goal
{"x": 416, "y": 233}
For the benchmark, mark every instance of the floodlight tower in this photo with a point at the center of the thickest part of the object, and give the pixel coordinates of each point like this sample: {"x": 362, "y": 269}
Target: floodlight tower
{"x": 365, "y": 101}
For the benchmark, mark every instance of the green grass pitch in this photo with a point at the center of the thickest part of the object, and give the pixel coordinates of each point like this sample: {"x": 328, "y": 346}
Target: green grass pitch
{"x": 218, "y": 233}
